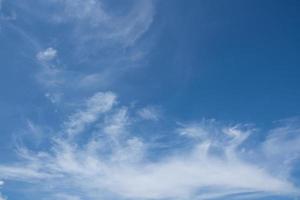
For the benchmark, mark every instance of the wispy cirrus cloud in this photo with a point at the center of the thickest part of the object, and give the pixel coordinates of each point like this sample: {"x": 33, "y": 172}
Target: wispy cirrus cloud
{"x": 112, "y": 161}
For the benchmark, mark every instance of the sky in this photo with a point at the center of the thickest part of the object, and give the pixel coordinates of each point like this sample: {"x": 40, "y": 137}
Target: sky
{"x": 149, "y": 100}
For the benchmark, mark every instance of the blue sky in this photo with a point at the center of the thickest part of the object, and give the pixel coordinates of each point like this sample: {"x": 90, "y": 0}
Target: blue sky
{"x": 149, "y": 99}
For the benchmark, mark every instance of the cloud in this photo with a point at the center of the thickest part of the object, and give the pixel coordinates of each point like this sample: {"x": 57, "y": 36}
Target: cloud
{"x": 98, "y": 150}
{"x": 94, "y": 106}
{"x": 90, "y": 17}
{"x": 111, "y": 160}
{"x": 99, "y": 42}
{"x": 47, "y": 55}
{"x": 194, "y": 130}
{"x": 50, "y": 74}
{"x": 282, "y": 146}
{"x": 149, "y": 113}
{"x": 286, "y": 137}
{"x": 115, "y": 124}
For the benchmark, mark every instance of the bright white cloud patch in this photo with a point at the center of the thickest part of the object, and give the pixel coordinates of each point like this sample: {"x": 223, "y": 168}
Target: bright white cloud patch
{"x": 110, "y": 160}
{"x": 47, "y": 54}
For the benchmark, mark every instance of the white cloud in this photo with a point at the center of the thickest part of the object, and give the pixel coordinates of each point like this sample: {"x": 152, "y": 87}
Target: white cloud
{"x": 112, "y": 160}
{"x": 93, "y": 22}
{"x": 200, "y": 129}
{"x": 112, "y": 164}
{"x": 193, "y": 130}
{"x": 96, "y": 36}
{"x": 286, "y": 137}
{"x": 47, "y": 55}
{"x": 18, "y": 172}
{"x": 149, "y": 113}
{"x": 94, "y": 106}
{"x": 282, "y": 147}
{"x": 115, "y": 124}
{"x": 49, "y": 74}
{"x": 91, "y": 80}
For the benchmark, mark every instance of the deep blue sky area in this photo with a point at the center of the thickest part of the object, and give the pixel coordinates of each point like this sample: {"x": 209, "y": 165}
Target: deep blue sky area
{"x": 149, "y": 99}
{"x": 233, "y": 61}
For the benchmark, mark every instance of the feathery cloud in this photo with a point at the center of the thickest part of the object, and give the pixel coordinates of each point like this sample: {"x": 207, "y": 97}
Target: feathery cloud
{"x": 115, "y": 162}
